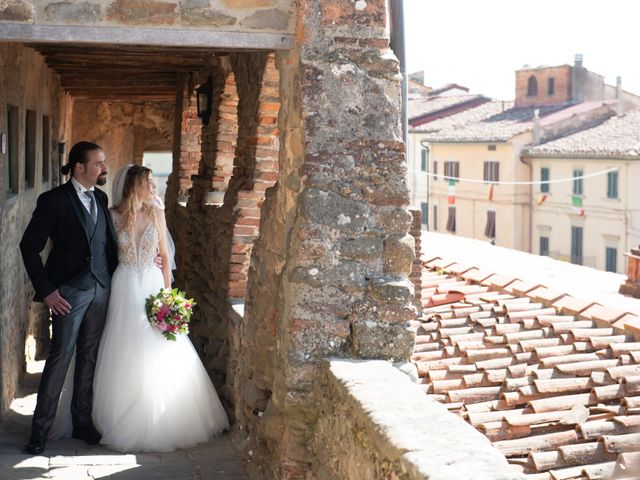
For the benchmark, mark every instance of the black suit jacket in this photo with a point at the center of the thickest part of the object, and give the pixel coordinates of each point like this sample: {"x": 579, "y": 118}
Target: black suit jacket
{"x": 58, "y": 215}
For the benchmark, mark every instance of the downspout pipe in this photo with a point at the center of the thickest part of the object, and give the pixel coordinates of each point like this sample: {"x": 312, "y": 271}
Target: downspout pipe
{"x": 396, "y": 12}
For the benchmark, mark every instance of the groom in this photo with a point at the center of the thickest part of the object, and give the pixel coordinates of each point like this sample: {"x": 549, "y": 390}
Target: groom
{"x": 74, "y": 283}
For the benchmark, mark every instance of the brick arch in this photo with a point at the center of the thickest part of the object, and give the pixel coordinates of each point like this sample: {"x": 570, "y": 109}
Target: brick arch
{"x": 238, "y": 154}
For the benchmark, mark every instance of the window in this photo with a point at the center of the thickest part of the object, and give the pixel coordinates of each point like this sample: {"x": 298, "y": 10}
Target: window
{"x": 424, "y": 158}
{"x": 434, "y": 227}
{"x": 532, "y": 87}
{"x": 435, "y": 170}
{"x": 545, "y": 175}
{"x": 490, "y": 227}
{"x": 424, "y": 207}
{"x": 612, "y": 184}
{"x": 451, "y": 221}
{"x": 544, "y": 246}
{"x": 577, "y": 182}
{"x": 491, "y": 148}
{"x": 611, "y": 259}
{"x": 30, "y": 149}
{"x": 551, "y": 86}
{"x": 451, "y": 169}
{"x": 46, "y": 155}
{"x": 491, "y": 171}
{"x": 576, "y": 245}
{"x": 12, "y": 150}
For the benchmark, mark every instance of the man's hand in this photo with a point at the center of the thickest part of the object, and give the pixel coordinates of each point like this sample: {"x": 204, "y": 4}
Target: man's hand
{"x": 57, "y": 304}
{"x": 159, "y": 262}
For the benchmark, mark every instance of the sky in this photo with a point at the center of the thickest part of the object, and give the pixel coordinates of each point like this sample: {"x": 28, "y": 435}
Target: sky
{"x": 480, "y": 43}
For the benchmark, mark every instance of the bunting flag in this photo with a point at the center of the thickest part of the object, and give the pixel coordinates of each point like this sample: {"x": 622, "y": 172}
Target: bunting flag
{"x": 491, "y": 192}
{"x": 541, "y": 199}
{"x": 576, "y": 200}
{"x": 452, "y": 192}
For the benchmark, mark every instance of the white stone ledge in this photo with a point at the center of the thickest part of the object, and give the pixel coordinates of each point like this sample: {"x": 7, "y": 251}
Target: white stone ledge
{"x": 406, "y": 427}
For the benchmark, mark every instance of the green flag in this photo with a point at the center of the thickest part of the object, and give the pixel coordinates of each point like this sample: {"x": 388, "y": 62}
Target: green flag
{"x": 576, "y": 200}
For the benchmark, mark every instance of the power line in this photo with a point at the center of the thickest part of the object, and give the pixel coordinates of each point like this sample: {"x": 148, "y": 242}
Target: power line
{"x": 538, "y": 182}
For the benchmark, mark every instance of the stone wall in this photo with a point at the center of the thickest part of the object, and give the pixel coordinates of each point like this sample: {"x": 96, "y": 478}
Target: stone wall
{"x": 374, "y": 423}
{"x": 231, "y": 15}
{"x": 125, "y": 130}
{"x": 329, "y": 272}
{"x": 28, "y": 85}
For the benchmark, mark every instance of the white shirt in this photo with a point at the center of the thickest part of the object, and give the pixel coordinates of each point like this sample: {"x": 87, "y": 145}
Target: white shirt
{"x": 86, "y": 201}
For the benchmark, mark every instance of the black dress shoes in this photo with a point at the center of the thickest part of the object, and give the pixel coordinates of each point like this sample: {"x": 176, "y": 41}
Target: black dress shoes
{"x": 88, "y": 433}
{"x": 35, "y": 446}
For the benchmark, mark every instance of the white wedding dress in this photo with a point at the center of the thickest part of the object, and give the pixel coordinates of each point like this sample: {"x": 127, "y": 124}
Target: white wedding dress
{"x": 149, "y": 394}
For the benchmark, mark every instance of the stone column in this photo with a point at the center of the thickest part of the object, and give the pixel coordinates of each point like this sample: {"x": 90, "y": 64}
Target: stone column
{"x": 329, "y": 272}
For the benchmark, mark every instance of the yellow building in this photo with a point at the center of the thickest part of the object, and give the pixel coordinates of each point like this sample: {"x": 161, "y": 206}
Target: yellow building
{"x": 590, "y": 221}
{"x": 482, "y": 147}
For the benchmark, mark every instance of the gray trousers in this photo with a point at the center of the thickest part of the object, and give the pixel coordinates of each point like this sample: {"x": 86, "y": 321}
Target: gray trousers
{"x": 78, "y": 331}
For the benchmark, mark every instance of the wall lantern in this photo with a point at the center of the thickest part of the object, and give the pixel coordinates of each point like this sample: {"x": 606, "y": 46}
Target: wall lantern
{"x": 203, "y": 98}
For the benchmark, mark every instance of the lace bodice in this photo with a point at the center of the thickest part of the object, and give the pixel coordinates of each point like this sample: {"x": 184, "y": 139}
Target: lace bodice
{"x": 135, "y": 256}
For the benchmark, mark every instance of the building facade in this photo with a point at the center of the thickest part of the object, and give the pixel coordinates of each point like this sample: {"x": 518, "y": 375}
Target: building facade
{"x": 482, "y": 148}
{"x": 590, "y": 221}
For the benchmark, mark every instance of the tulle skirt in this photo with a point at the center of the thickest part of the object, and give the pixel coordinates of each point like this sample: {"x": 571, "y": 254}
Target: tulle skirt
{"x": 149, "y": 394}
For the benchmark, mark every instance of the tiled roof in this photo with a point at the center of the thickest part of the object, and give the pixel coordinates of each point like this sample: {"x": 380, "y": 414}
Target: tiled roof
{"x": 553, "y": 381}
{"x": 419, "y": 107}
{"x": 462, "y": 119}
{"x": 498, "y": 122}
{"x": 616, "y": 136}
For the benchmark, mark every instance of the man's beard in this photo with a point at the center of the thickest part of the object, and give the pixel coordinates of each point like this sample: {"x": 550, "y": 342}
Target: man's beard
{"x": 102, "y": 179}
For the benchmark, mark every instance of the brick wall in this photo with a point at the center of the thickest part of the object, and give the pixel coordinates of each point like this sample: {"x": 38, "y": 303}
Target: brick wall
{"x": 562, "y": 86}
{"x": 416, "y": 268}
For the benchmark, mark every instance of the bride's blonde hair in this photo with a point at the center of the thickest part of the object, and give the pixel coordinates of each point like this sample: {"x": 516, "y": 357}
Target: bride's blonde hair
{"x": 135, "y": 182}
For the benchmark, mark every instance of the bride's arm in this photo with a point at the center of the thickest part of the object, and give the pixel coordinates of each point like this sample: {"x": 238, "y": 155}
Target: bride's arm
{"x": 164, "y": 249}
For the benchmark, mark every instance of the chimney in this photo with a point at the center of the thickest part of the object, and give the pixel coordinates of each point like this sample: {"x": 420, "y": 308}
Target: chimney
{"x": 577, "y": 79}
{"x": 619, "y": 97}
{"x": 536, "y": 127}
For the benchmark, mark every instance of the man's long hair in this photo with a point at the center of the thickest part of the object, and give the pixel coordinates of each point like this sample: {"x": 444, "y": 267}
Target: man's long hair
{"x": 78, "y": 154}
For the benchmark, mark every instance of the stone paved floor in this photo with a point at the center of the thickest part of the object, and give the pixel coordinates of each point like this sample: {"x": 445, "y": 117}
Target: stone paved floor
{"x": 69, "y": 459}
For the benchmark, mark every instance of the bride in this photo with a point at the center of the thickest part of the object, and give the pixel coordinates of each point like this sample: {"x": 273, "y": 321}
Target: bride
{"x": 150, "y": 394}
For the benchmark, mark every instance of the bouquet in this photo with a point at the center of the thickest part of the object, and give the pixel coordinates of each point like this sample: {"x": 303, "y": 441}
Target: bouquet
{"x": 170, "y": 312}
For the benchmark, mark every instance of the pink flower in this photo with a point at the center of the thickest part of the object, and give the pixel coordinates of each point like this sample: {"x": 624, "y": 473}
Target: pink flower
{"x": 163, "y": 326}
{"x": 172, "y": 328}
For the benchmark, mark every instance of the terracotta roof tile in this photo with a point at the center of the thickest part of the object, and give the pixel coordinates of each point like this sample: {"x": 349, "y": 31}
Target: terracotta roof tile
{"x": 606, "y": 314}
{"x": 558, "y": 394}
{"x": 620, "y": 324}
{"x": 545, "y": 295}
{"x": 476, "y": 275}
{"x": 458, "y": 269}
{"x": 521, "y": 287}
{"x": 571, "y": 305}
